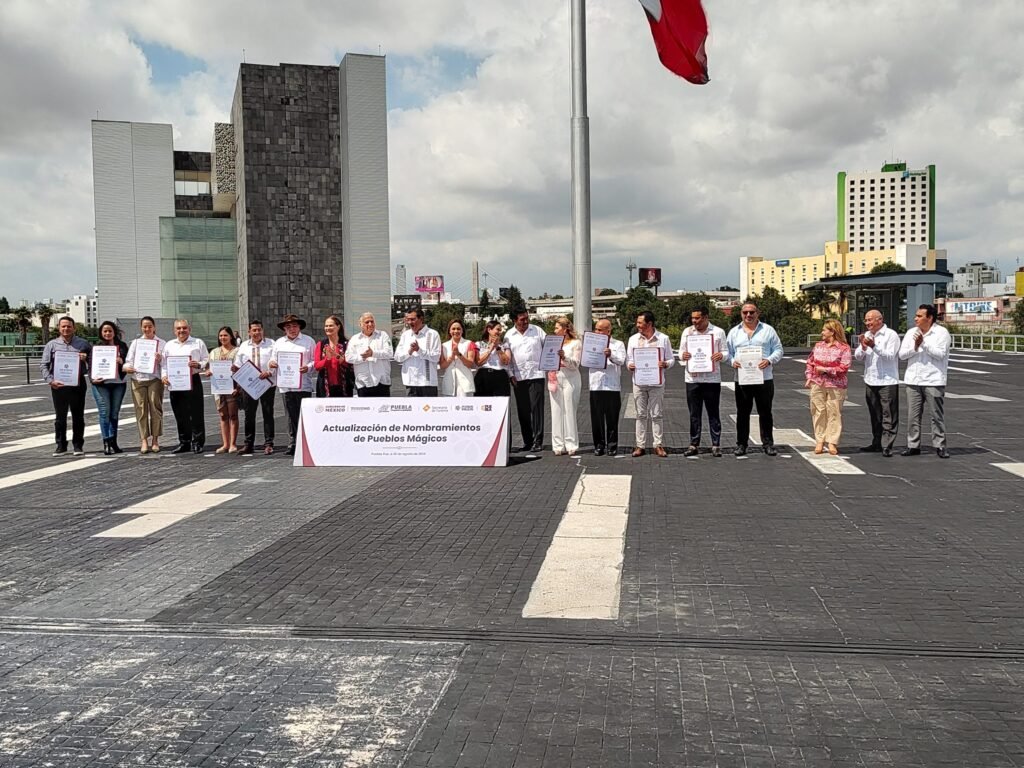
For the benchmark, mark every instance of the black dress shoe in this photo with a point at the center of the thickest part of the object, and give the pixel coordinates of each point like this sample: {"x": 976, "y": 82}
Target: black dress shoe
{"x": 870, "y": 449}
{"x": 716, "y": 451}
{"x": 612, "y": 451}
{"x": 769, "y": 450}
{"x": 246, "y": 450}
{"x": 599, "y": 451}
{"x": 197, "y": 448}
{"x": 693, "y": 450}
{"x": 523, "y": 449}
{"x": 290, "y": 451}
{"x": 887, "y": 452}
{"x": 538, "y": 448}
{"x": 942, "y": 453}
{"x": 741, "y": 450}
{"x": 910, "y": 452}
{"x": 182, "y": 448}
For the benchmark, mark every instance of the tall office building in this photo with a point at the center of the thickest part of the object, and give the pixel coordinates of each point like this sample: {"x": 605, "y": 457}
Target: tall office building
{"x": 288, "y": 212}
{"x": 401, "y": 284}
{"x": 875, "y": 211}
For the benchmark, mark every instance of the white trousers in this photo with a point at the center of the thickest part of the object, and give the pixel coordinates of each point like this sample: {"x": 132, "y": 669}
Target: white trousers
{"x": 649, "y": 403}
{"x": 564, "y": 404}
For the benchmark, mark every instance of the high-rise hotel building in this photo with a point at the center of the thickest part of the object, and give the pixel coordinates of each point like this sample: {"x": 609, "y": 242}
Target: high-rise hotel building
{"x": 878, "y": 211}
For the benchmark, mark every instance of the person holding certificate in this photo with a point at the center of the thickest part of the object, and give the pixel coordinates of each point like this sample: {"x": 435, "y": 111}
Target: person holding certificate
{"x": 564, "y": 390}
{"x": 370, "y": 353}
{"x": 825, "y": 376}
{"x": 292, "y": 359}
{"x": 458, "y": 358}
{"x": 143, "y": 363}
{"x": 525, "y": 342}
{"x": 223, "y": 388}
{"x": 702, "y": 350}
{"x": 184, "y": 358}
{"x": 256, "y": 351}
{"x": 108, "y": 384}
{"x": 334, "y": 376}
{"x": 754, "y": 347}
{"x": 418, "y": 351}
{"x": 649, "y": 353}
{"x": 606, "y": 391}
{"x": 63, "y": 366}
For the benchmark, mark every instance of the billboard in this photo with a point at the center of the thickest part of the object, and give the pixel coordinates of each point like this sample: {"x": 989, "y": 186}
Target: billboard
{"x": 429, "y": 283}
{"x": 970, "y": 307}
{"x": 404, "y": 302}
{"x": 650, "y": 276}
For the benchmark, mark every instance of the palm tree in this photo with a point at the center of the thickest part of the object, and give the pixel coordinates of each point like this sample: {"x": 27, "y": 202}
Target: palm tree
{"x": 820, "y": 301}
{"x": 23, "y": 321}
{"x": 45, "y": 312}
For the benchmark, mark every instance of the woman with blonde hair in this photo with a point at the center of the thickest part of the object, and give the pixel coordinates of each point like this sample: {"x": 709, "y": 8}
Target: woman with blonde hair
{"x": 825, "y": 375}
{"x": 564, "y": 390}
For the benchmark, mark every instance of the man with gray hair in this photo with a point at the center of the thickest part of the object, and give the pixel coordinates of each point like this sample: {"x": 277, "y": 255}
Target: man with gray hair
{"x": 879, "y": 351}
{"x": 370, "y": 354}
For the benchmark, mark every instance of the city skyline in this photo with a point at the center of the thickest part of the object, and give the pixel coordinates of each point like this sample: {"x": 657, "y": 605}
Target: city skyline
{"x": 688, "y": 179}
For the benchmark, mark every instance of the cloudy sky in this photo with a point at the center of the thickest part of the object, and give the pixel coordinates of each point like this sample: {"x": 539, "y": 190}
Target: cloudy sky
{"x": 685, "y": 177}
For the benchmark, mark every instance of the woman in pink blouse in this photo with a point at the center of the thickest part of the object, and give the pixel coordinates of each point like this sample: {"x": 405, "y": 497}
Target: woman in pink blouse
{"x": 826, "y": 378}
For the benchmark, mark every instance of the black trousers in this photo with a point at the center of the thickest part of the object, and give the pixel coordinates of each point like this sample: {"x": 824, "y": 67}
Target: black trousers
{"x": 188, "y": 414}
{"x": 266, "y": 404}
{"x": 884, "y": 409}
{"x": 747, "y": 396}
{"x": 491, "y": 382}
{"x": 293, "y": 407}
{"x": 530, "y": 409}
{"x": 73, "y": 399}
{"x": 604, "y": 418}
{"x": 381, "y": 390}
{"x": 421, "y": 391}
{"x": 701, "y": 396}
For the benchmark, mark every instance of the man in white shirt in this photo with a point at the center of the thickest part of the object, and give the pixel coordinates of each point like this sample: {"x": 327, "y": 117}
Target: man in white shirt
{"x": 879, "y": 350}
{"x": 926, "y": 350}
{"x": 606, "y": 393}
{"x": 369, "y": 353}
{"x": 188, "y": 405}
{"x": 257, "y": 350}
{"x": 525, "y": 341}
{"x": 294, "y": 341}
{"x": 704, "y": 388}
{"x": 751, "y": 332}
{"x": 418, "y": 350}
{"x": 649, "y": 399}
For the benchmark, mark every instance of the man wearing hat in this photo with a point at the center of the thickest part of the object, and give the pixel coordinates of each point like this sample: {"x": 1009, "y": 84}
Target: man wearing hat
{"x": 294, "y": 341}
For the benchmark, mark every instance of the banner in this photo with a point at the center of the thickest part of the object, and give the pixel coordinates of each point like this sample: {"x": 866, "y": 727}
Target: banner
{"x": 429, "y": 283}
{"x": 403, "y": 432}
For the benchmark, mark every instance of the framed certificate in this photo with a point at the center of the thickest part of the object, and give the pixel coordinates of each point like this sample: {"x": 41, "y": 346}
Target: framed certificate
{"x": 66, "y": 366}
{"x": 648, "y": 371}
{"x": 749, "y": 358}
{"x": 179, "y": 375}
{"x": 288, "y": 373}
{"x": 221, "y": 382}
{"x": 594, "y": 346}
{"x": 701, "y": 347}
{"x": 549, "y": 359}
{"x": 145, "y": 355}
{"x": 248, "y": 378}
{"x": 104, "y": 363}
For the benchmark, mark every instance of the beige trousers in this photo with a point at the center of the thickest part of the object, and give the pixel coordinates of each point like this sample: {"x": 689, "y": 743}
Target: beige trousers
{"x": 148, "y": 397}
{"x": 827, "y": 413}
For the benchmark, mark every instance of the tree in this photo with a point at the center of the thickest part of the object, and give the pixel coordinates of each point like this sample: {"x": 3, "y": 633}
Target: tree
{"x": 794, "y": 329}
{"x": 681, "y": 307}
{"x": 439, "y": 315}
{"x": 45, "y": 312}
{"x": 1018, "y": 316}
{"x": 514, "y": 297}
{"x": 5, "y": 306}
{"x": 727, "y": 288}
{"x": 773, "y": 306}
{"x": 820, "y": 301}
{"x": 485, "y": 302}
{"x": 23, "y": 319}
{"x": 886, "y": 266}
{"x": 607, "y": 292}
{"x": 627, "y": 309}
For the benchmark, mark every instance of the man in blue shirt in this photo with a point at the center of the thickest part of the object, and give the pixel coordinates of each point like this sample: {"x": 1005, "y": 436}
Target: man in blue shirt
{"x": 753, "y": 333}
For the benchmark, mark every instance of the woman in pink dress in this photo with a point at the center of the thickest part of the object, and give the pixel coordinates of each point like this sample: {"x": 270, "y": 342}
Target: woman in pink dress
{"x": 826, "y": 378}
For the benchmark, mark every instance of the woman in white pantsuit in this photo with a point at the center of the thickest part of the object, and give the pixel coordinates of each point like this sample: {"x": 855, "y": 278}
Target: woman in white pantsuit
{"x": 564, "y": 390}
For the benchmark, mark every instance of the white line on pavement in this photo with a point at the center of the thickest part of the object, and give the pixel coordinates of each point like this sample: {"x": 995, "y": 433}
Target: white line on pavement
{"x": 1014, "y": 468}
{"x": 730, "y": 385}
{"x": 168, "y": 508}
{"x": 581, "y": 575}
{"x": 982, "y": 398}
{"x": 975, "y": 361}
{"x": 19, "y": 386}
{"x": 58, "y": 468}
{"x": 35, "y": 442}
{"x": 16, "y": 400}
{"x": 967, "y": 370}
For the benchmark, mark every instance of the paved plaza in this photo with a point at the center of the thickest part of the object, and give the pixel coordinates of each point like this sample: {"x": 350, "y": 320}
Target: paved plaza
{"x": 788, "y": 611}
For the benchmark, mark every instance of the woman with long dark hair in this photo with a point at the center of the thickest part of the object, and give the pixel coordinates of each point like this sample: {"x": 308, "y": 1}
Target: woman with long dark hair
{"x": 334, "y": 377}
{"x": 147, "y": 387}
{"x": 109, "y": 393}
{"x": 227, "y": 405}
{"x": 492, "y": 361}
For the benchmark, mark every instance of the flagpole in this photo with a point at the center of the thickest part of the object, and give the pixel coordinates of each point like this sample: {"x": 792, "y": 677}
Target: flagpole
{"x": 580, "y": 127}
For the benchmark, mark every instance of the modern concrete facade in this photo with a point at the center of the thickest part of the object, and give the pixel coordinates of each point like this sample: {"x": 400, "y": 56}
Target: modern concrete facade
{"x": 970, "y": 280}
{"x": 133, "y": 172}
{"x": 878, "y": 210}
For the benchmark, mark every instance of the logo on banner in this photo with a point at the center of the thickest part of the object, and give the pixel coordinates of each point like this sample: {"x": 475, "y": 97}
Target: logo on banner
{"x": 402, "y": 408}
{"x": 426, "y": 407}
{"x": 485, "y": 407}
{"x": 383, "y": 409}
{"x": 319, "y": 409}
{"x": 463, "y": 407}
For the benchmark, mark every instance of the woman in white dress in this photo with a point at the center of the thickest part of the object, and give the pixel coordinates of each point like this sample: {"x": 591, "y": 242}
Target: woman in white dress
{"x": 458, "y": 359}
{"x": 564, "y": 390}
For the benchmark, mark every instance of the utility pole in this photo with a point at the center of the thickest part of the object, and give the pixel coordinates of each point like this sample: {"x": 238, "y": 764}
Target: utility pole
{"x": 631, "y": 267}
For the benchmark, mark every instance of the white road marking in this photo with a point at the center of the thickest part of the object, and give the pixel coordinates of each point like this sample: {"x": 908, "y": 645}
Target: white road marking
{"x": 730, "y": 385}
{"x": 802, "y": 360}
{"x": 168, "y": 508}
{"x": 19, "y": 386}
{"x": 16, "y": 400}
{"x": 35, "y": 442}
{"x": 846, "y": 403}
{"x": 581, "y": 575}
{"x": 975, "y": 361}
{"x": 982, "y": 398}
{"x": 58, "y": 468}
{"x": 967, "y": 370}
{"x": 1014, "y": 468}
{"x": 825, "y": 463}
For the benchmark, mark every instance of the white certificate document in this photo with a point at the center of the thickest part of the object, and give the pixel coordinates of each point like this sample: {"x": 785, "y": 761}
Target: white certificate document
{"x": 248, "y": 378}
{"x": 749, "y": 358}
{"x": 648, "y": 371}
{"x": 179, "y": 375}
{"x": 104, "y": 363}
{"x": 145, "y": 356}
{"x": 221, "y": 382}
{"x": 701, "y": 347}
{"x": 66, "y": 366}
{"x": 594, "y": 345}
{"x": 288, "y": 365}
{"x": 549, "y": 359}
